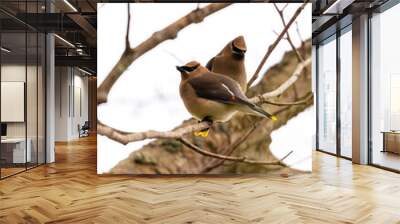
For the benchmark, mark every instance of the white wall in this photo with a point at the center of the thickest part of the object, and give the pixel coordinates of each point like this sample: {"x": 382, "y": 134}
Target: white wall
{"x": 61, "y": 103}
{"x": 80, "y": 103}
{"x": 71, "y": 94}
{"x": 12, "y": 73}
{"x": 16, "y": 73}
{"x": 33, "y": 126}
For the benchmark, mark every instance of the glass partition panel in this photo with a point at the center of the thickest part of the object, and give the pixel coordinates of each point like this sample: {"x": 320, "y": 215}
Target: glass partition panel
{"x": 327, "y": 96}
{"x": 22, "y": 77}
{"x": 41, "y": 99}
{"x": 346, "y": 93}
{"x": 32, "y": 87}
{"x": 385, "y": 89}
{"x": 31, "y": 100}
{"x": 14, "y": 153}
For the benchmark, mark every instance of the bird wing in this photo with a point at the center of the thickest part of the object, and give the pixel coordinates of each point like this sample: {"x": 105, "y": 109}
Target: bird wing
{"x": 223, "y": 89}
{"x": 219, "y": 88}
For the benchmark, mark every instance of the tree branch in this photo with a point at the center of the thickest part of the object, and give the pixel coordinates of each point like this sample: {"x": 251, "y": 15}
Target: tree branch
{"x": 278, "y": 39}
{"x": 127, "y": 137}
{"x": 284, "y": 86}
{"x": 127, "y": 43}
{"x": 229, "y": 149}
{"x": 280, "y": 12}
{"x": 300, "y": 102}
{"x": 169, "y": 32}
{"x": 242, "y": 159}
{"x": 298, "y": 32}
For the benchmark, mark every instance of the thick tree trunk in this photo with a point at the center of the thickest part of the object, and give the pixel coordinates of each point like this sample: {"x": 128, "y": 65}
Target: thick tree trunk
{"x": 171, "y": 157}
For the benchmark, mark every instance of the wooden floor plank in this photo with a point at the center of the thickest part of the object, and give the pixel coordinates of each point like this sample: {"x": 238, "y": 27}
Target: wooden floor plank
{"x": 70, "y": 191}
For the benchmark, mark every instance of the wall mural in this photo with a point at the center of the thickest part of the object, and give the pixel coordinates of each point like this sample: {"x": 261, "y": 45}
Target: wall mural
{"x": 204, "y": 88}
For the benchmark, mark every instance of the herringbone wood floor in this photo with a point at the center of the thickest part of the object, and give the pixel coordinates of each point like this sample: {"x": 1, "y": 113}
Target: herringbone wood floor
{"x": 69, "y": 191}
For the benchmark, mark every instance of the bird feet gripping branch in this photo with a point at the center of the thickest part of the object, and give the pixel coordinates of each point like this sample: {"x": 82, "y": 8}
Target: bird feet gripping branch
{"x": 204, "y": 133}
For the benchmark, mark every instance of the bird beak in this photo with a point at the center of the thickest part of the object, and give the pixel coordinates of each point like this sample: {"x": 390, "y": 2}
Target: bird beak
{"x": 179, "y": 68}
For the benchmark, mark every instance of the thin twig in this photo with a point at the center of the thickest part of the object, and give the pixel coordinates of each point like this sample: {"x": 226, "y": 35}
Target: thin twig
{"x": 277, "y": 34}
{"x": 242, "y": 159}
{"x": 284, "y": 86}
{"x": 298, "y": 32}
{"x": 180, "y": 61}
{"x": 278, "y": 39}
{"x": 284, "y": 7}
{"x": 228, "y": 151}
{"x": 127, "y": 137}
{"x": 127, "y": 43}
{"x": 280, "y": 12}
{"x": 300, "y": 102}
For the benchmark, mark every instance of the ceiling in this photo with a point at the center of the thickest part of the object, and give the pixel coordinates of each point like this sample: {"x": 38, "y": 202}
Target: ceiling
{"x": 74, "y": 22}
{"x": 330, "y": 15}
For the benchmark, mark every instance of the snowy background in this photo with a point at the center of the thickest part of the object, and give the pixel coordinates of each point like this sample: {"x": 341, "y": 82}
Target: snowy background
{"x": 147, "y": 97}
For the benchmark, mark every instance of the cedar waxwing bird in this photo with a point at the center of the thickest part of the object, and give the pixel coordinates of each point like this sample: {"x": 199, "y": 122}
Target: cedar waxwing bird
{"x": 210, "y": 96}
{"x": 230, "y": 62}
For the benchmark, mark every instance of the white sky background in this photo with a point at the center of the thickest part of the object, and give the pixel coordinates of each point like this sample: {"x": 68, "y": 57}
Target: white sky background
{"x": 146, "y": 96}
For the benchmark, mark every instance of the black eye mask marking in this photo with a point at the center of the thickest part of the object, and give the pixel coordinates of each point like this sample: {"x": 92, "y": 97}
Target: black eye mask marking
{"x": 236, "y": 49}
{"x": 189, "y": 69}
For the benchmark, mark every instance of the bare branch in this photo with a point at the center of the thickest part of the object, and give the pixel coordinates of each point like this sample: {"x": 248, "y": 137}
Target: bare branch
{"x": 169, "y": 32}
{"x": 298, "y": 32}
{"x": 284, "y": 7}
{"x": 228, "y": 151}
{"x": 284, "y": 86}
{"x": 174, "y": 56}
{"x": 300, "y": 102}
{"x": 280, "y": 12}
{"x": 127, "y": 43}
{"x": 277, "y": 34}
{"x": 278, "y": 39}
{"x": 242, "y": 159}
{"x": 126, "y": 137}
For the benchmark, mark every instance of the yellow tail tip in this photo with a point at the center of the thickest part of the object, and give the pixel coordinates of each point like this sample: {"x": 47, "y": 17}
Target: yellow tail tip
{"x": 274, "y": 118}
{"x": 201, "y": 133}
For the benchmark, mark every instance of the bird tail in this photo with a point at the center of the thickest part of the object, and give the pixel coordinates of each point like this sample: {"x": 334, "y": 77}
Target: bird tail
{"x": 251, "y": 108}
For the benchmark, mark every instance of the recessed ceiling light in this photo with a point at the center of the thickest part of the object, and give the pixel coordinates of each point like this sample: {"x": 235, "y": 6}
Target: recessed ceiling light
{"x": 5, "y": 49}
{"x": 84, "y": 71}
{"x": 64, "y": 40}
{"x": 338, "y": 6}
{"x": 70, "y": 5}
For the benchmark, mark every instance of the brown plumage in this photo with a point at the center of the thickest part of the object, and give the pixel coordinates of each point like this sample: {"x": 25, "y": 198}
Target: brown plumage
{"x": 230, "y": 62}
{"x": 213, "y": 97}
